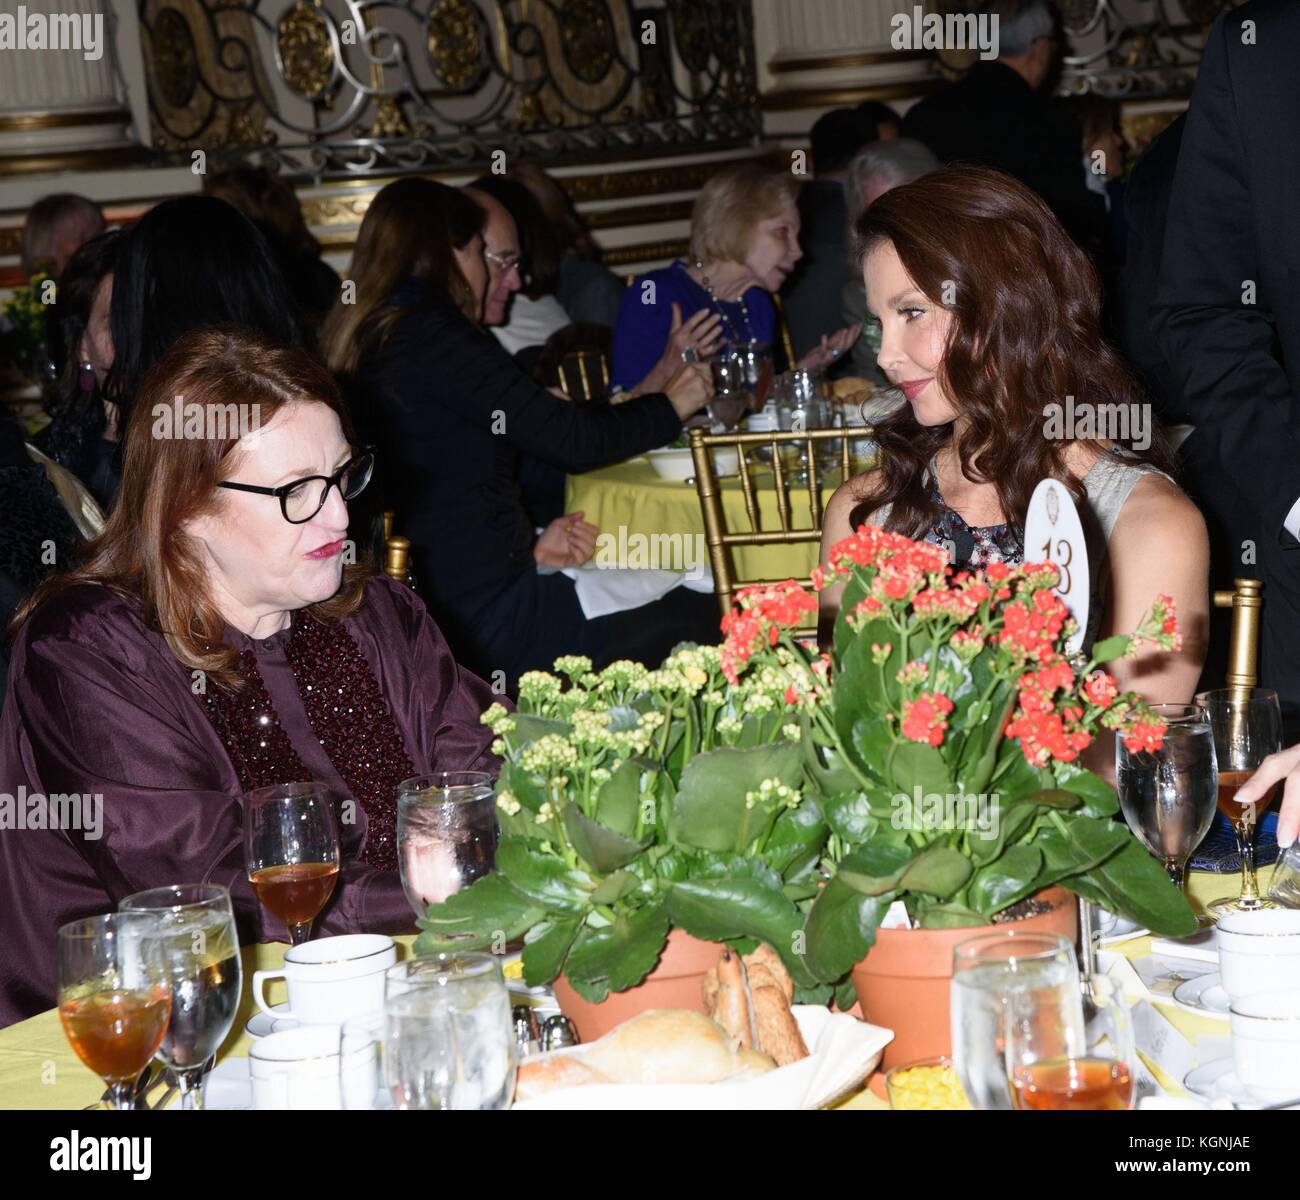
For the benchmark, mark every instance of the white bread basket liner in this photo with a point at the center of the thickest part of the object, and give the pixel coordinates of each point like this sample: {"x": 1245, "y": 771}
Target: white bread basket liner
{"x": 843, "y": 1051}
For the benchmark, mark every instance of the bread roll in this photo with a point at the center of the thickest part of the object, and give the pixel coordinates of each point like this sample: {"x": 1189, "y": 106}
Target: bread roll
{"x": 545, "y": 1074}
{"x": 666, "y": 1045}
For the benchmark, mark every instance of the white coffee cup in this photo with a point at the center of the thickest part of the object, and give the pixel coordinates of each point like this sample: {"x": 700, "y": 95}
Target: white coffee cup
{"x": 1259, "y": 951}
{"x": 299, "y": 1069}
{"x": 331, "y": 979}
{"x": 1266, "y": 1044}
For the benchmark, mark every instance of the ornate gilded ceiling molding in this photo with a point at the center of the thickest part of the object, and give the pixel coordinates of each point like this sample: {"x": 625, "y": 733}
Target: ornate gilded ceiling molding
{"x": 348, "y": 208}
{"x": 621, "y": 256}
{"x": 33, "y": 122}
{"x": 835, "y": 97}
{"x": 843, "y": 62}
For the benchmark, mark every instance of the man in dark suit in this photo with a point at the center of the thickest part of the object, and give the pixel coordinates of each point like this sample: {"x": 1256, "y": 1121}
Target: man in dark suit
{"x": 1227, "y": 309}
{"x": 998, "y": 116}
{"x": 811, "y": 295}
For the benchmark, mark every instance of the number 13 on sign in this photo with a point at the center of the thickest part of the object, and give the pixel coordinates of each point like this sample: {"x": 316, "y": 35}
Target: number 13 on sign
{"x": 1054, "y": 533}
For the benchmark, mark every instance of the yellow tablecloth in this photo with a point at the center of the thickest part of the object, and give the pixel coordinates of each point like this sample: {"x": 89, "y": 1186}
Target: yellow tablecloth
{"x": 634, "y": 506}
{"x": 38, "y": 1068}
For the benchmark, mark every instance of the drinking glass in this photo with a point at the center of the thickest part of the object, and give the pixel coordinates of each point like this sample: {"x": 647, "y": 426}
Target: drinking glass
{"x": 448, "y": 1039}
{"x": 1168, "y": 795}
{"x": 114, "y": 997}
{"x": 1284, "y": 882}
{"x": 1064, "y": 1054}
{"x": 1247, "y": 725}
{"x": 361, "y": 1063}
{"x": 801, "y": 405}
{"x": 291, "y": 850}
{"x": 446, "y": 834}
{"x": 987, "y": 969}
{"x": 731, "y": 395}
{"x": 200, "y": 949}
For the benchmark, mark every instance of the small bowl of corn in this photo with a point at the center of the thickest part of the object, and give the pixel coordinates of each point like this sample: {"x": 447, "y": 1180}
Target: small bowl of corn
{"x": 927, "y": 1083}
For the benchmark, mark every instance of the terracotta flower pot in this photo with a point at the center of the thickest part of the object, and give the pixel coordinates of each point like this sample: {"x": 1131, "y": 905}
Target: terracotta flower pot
{"x": 903, "y": 982}
{"x": 676, "y": 982}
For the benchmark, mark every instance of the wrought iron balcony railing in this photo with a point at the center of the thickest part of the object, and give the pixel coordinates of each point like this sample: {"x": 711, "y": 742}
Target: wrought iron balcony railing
{"x": 340, "y": 88}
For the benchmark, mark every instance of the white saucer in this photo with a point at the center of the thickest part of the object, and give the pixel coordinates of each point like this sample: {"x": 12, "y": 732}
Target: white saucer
{"x": 1204, "y": 996}
{"x": 1113, "y": 928}
{"x": 1217, "y": 1080}
{"x": 228, "y": 1086}
{"x": 260, "y": 1023}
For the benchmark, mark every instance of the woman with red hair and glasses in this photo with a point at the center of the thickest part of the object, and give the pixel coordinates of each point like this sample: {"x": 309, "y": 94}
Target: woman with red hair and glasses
{"x": 990, "y": 326}
{"x": 219, "y": 637}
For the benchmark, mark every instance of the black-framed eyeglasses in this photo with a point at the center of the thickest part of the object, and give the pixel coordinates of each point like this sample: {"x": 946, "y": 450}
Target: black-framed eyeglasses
{"x": 304, "y": 498}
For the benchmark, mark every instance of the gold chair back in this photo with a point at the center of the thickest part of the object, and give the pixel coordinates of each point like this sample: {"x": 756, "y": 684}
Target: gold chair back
{"x": 584, "y": 375}
{"x": 783, "y": 329}
{"x": 722, "y": 540}
{"x": 1243, "y": 644}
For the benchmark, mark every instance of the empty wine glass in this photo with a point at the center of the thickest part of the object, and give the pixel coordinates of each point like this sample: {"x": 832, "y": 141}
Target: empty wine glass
{"x": 114, "y": 997}
{"x": 291, "y": 850}
{"x": 1064, "y": 1051}
{"x": 1247, "y": 726}
{"x": 200, "y": 949}
{"x": 448, "y": 1040}
{"x": 986, "y": 970}
{"x": 446, "y": 834}
{"x": 1167, "y": 796}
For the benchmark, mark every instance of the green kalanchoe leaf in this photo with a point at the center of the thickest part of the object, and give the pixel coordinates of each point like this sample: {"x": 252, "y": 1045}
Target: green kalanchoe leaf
{"x": 543, "y": 878}
{"x": 710, "y": 812}
{"x": 544, "y": 956}
{"x": 1099, "y": 799}
{"x": 841, "y": 928}
{"x": 476, "y": 916}
{"x": 1111, "y": 648}
{"x": 615, "y": 887}
{"x": 879, "y": 867}
{"x": 618, "y": 956}
{"x": 948, "y": 916}
{"x": 718, "y": 910}
{"x": 1012, "y": 877}
{"x": 619, "y": 799}
{"x": 601, "y": 849}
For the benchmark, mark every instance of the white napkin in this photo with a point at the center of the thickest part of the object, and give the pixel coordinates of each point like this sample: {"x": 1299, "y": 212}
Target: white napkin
{"x": 605, "y": 590}
{"x": 843, "y": 1051}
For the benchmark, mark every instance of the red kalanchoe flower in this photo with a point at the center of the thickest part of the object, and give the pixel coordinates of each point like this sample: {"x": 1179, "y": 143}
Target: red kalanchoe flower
{"x": 923, "y": 718}
{"x": 1144, "y": 736}
{"x": 1100, "y": 689}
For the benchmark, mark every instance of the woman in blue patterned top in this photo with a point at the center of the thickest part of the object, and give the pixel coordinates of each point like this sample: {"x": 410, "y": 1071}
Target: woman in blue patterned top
{"x": 744, "y": 244}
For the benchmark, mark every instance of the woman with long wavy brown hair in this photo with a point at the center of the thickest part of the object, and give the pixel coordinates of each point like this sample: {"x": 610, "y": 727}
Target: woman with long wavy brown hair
{"x": 220, "y": 636}
{"x": 990, "y": 327}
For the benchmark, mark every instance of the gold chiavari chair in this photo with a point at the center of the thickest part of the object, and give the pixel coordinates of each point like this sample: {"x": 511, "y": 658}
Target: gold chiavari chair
{"x": 578, "y": 372}
{"x": 722, "y": 540}
{"x": 397, "y": 552}
{"x": 783, "y": 329}
{"x": 1243, "y": 644}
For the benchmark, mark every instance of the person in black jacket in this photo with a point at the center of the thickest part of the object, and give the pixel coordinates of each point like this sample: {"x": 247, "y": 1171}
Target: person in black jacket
{"x": 1227, "y": 308}
{"x": 997, "y": 116}
{"x": 452, "y": 414}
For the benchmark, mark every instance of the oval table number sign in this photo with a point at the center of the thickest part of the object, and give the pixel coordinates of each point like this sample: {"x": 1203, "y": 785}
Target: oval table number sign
{"x": 1054, "y": 533}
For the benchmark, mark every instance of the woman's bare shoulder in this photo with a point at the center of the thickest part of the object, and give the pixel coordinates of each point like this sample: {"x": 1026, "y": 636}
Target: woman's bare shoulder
{"x": 846, "y": 498}
{"x": 1158, "y": 507}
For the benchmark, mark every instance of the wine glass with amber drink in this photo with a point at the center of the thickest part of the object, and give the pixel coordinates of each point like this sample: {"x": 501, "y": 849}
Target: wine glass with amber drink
{"x": 291, "y": 849}
{"x": 1055, "y": 1061}
{"x": 115, "y": 997}
{"x": 1247, "y": 725}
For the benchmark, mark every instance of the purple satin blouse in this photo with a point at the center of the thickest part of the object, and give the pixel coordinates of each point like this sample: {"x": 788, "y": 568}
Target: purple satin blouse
{"x": 97, "y": 706}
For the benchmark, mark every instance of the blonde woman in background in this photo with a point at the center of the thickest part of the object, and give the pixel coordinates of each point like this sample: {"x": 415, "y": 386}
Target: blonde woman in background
{"x": 744, "y": 244}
